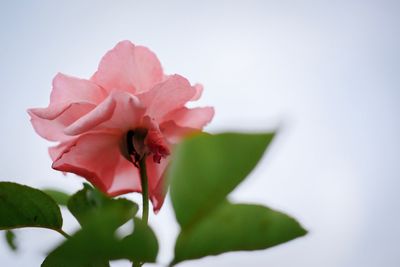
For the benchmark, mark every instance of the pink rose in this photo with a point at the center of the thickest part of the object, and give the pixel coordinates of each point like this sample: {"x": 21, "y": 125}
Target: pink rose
{"x": 128, "y": 109}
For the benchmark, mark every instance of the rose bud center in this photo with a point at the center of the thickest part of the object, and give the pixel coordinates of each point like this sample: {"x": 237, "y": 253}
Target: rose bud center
{"x": 140, "y": 142}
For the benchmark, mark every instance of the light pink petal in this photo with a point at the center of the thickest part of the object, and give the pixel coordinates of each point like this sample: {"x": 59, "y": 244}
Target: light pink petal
{"x": 120, "y": 110}
{"x": 128, "y": 68}
{"x": 167, "y": 96}
{"x": 50, "y": 122}
{"x": 157, "y": 185}
{"x": 193, "y": 118}
{"x": 67, "y": 89}
{"x": 51, "y": 112}
{"x": 174, "y": 133}
{"x": 199, "y": 91}
{"x": 127, "y": 114}
{"x": 56, "y": 151}
{"x": 126, "y": 180}
{"x": 101, "y": 113}
{"x": 93, "y": 156}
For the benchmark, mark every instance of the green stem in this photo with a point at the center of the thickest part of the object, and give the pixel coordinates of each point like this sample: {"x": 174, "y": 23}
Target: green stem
{"x": 145, "y": 189}
{"x": 145, "y": 197}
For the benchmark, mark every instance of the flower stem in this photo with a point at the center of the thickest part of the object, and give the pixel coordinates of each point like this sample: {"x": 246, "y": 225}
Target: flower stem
{"x": 145, "y": 197}
{"x": 145, "y": 189}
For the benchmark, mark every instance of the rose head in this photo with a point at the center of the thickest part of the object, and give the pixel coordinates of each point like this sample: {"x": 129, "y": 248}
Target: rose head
{"x": 128, "y": 110}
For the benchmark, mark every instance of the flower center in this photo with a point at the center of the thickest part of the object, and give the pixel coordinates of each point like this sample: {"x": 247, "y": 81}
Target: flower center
{"x": 135, "y": 144}
{"x": 141, "y": 142}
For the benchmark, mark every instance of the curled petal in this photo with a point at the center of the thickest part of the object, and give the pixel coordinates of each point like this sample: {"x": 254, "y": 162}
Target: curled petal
{"x": 195, "y": 118}
{"x": 130, "y": 68}
{"x": 93, "y": 156}
{"x": 56, "y": 151}
{"x": 167, "y": 96}
{"x": 174, "y": 133}
{"x": 51, "y": 112}
{"x": 101, "y": 113}
{"x": 120, "y": 110}
{"x": 50, "y": 122}
{"x": 199, "y": 91}
{"x": 67, "y": 89}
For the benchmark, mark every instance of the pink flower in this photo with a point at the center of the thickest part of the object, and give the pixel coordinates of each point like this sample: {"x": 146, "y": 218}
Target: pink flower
{"x": 129, "y": 109}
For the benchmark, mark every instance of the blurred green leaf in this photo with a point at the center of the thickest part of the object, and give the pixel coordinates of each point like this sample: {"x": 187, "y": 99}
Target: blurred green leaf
{"x": 10, "y": 238}
{"x": 234, "y": 227}
{"x": 59, "y": 197}
{"x": 23, "y": 206}
{"x": 206, "y": 168}
{"x": 88, "y": 200}
{"x": 144, "y": 242}
{"x": 96, "y": 243}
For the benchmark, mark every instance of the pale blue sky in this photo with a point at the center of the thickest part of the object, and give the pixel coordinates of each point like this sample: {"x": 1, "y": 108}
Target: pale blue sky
{"x": 325, "y": 72}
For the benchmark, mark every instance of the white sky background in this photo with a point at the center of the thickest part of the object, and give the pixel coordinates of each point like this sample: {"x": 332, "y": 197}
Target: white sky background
{"x": 325, "y": 72}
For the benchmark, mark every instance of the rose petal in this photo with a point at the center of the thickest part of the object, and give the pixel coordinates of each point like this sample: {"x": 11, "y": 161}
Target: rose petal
{"x": 50, "y": 122}
{"x": 67, "y": 89}
{"x": 199, "y": 91}
{"x": 167, "y": 96}
{"x": 174, "y": 133}
{"x": 93, "y": 156}
{"x": 155, "y": 174}
{"x": 101, "y": 113}
{"x": 126, "y": 180}
{"x": 128, "y": 68}
{"x": 56, "y": 151}
{"x": 192, "y": 118}
{"x": 120, "y": 110}
{"x": 91, "y": 119}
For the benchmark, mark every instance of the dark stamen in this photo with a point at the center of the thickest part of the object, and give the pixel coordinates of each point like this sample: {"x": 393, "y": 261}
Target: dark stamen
{"x": 135, "y": 144}
{"x": 131, "y": 148}
{"x": 129, "y": 142}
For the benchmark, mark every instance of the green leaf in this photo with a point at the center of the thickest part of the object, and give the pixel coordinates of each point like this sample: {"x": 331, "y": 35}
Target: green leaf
{"x": 234, "y": 227}
{"x": 23, "y": 206}
{"x": 59, "y": 197}
{"x": 97, "y": 243}
{"x": 88, "y": 200}
{"x": 206, "y": 168}
{"x": 10, "y": 238}
{"x": 144, "y": 242}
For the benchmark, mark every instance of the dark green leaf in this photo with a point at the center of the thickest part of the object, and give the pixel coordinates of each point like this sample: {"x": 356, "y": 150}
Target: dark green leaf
{"x": 97, "y": 243}
{"x": 233, "y": 227}
{"x": 59, "y": 197}
{"x": 23, "y": 206}
{"x": 206, "y": 168}
{"x": 10, "y": 238}
{"x": 88, "y": 200}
